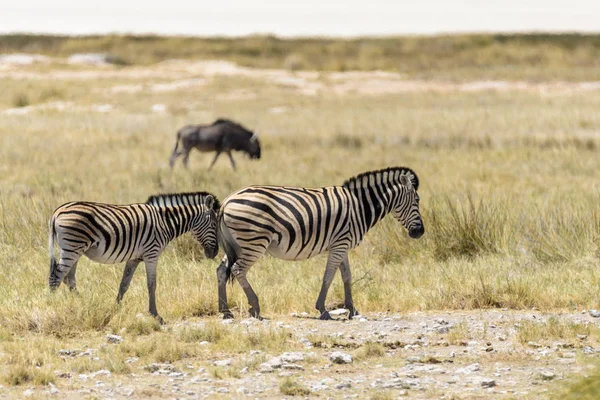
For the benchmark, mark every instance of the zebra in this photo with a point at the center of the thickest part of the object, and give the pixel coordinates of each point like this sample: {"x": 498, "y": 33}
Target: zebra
{"x": 111, "y": 234}
{"x": 294, "y": 223}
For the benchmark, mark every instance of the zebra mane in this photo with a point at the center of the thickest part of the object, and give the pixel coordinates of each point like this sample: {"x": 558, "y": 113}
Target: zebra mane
{"x": 176, "y": 199}
{"x": 233, "y": 124}
{"x": 358, "y": 180}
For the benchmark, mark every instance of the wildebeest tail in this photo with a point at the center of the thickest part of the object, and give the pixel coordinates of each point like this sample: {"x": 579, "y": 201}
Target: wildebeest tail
{"x": 174, "y": 154}
{"x": 51, "y": 237}
{"x": 229, "y": 245}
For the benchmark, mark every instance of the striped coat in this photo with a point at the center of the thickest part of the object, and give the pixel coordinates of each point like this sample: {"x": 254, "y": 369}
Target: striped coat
{"x": 110, "y": 234}
{"x": 298, "y": 223}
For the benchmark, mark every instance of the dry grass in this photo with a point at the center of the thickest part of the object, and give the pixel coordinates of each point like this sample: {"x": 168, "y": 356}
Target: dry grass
{"x": 553, "y": 329}
{"x": 508, "y": 188}
{"x": 488, "y": 56}
{"x": 290, "y": 387}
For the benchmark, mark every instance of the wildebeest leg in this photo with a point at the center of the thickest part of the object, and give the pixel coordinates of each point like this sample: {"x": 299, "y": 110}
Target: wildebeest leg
{"x": 186, "y": 156}
{"x": 222, "y": 279}
{"x": 333, "y": 262}
{"x": 70, "y": 278}
{"x": 174, "y": 157}
{"x": 130, "y": 268}
{"x": 231, "y": 159}
{"x": 240, "y": 271}
{"x": 151, "y": 282}
{"x": 347, "y": 278}
{"x": 214, "y": 159}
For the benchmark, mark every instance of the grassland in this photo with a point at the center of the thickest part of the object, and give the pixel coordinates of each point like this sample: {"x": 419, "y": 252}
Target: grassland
{"x": 537, "y": 57}
{"x": 509, "y": 189}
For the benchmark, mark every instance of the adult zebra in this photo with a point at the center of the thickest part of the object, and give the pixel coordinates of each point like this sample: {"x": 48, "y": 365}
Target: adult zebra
{"x": 110, "y": 234}
{"x": 299, "y": 223}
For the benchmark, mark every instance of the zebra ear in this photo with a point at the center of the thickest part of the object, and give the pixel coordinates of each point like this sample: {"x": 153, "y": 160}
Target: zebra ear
{"x": 405, "y": 181}
{"x": 209, "y": 202}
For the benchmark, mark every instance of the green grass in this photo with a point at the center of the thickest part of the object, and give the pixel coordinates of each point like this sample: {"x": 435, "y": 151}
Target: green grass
{"x": 513, "y": 56}
{"x": 585, "y": 387}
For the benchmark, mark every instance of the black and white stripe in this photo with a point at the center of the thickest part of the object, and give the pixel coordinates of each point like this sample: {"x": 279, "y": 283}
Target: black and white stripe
{"x": 110, "y": 234}
{"x": 298, "y": 223}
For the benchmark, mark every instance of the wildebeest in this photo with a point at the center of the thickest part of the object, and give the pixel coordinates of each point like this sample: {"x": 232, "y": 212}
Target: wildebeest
{"x": 222, "y": 136}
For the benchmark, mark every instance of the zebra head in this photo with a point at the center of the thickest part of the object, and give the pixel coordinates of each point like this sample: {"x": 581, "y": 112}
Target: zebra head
{"x": 204, "y": 228}
{"x": 406, "y": 207}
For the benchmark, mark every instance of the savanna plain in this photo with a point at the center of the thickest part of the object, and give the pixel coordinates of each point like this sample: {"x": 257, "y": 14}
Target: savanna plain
{"x": 492, "y": 302}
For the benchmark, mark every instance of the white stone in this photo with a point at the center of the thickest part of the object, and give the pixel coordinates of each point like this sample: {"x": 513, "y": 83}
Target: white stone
{"x": 114, "y": 338}
{"x": 339, "y": 357}
{"x": 102, "y": 372}
{"x": 469, "y": 369}
{"x": 222, "y": 363}
{"x": 292, "y": 357}
{"x": 159, "y": 108}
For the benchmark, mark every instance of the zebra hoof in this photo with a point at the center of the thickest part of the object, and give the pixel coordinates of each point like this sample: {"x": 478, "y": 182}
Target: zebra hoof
{"x": 227, "y": 315}
{"x": 325, "y": 316}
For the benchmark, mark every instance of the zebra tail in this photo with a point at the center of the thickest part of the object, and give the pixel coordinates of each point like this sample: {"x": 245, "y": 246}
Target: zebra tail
{"x": 51, "y": 237}
{"x": 229, "y": 245}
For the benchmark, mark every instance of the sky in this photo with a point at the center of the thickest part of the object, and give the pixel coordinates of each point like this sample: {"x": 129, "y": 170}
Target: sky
{"x": 297, "y": 18}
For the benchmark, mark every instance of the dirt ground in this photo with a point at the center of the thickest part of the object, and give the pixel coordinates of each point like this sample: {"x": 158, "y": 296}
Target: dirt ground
{"x": 427, "y": 355}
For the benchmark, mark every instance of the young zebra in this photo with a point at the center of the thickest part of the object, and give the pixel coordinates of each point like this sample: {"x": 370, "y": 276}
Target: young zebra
{"x": 299, "y": 223}
{"x": 110, "y": 234}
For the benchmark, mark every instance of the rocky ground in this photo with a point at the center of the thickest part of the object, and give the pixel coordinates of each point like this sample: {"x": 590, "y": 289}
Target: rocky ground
{"x": 475, "y": 354}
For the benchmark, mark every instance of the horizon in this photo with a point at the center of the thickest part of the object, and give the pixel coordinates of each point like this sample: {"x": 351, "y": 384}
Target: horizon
{"x": 310, "y": 18}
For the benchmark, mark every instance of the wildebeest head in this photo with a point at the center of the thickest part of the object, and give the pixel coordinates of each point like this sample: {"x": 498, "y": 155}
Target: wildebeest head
{"x": 253, "y": 147}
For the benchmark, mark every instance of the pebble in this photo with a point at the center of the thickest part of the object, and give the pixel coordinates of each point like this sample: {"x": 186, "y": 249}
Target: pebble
{"x": 469, "y": 369}
{"x": 339, "y": 357}
{"x": 67, "y": 353}
{"x": 547, "y": 375}
{"x": 154, "y": 367}
{"x": 295, "y": 367}
{"x": 28, "y": 393}
{"x": 102, "y": 372}
{"x": 595, "y": 313}
{"x": 343, "y": 385}
{"x": 488, "y": 383}
{"x": 588, "y": 350}
{"x": 222, "y": 363}
{"x": 292, "y": 357}
{"x": 53, "y": 389}
{"x": 116, "y": 339}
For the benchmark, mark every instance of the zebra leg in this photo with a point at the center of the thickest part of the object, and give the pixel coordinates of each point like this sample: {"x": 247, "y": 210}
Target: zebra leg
{"x": 67, "y": 260}
{"x": 130, "y": 268}
{"x": 151, "y": 282}
{"x": 347, "y": 278}
{"x": 333, "y": 262}
{"x": 222, "y": 279}
{"x": 231, "y": 159}
{"x": 70, "y": 278}
{"x": 214, "y": 159}
{"x": 240, "y": 274}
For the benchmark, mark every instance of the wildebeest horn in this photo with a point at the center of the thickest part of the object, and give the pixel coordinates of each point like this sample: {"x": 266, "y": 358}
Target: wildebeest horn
{"x": 253, "y": 137}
